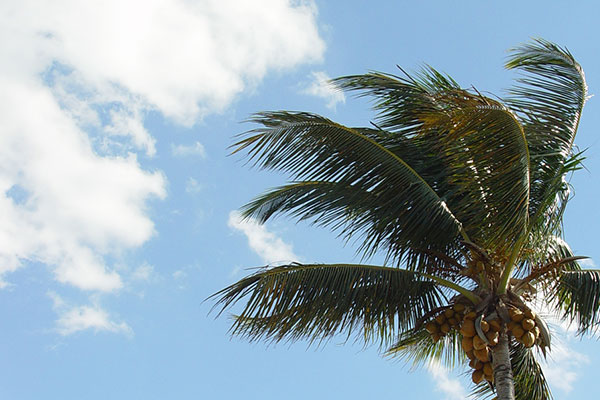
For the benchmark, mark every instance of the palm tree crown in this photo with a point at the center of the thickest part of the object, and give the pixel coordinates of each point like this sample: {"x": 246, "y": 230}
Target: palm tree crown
{"x": 462, "y": 192}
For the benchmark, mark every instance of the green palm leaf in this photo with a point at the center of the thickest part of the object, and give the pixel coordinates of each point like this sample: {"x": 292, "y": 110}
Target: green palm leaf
{"x": 417, "y": 347}
{"x": 472, "y": 149}
{"x": 316, "y": 301}
{"x": 549, "y": 100}
{"x": 314, "y": 148}
{"x": 577, "y": 294}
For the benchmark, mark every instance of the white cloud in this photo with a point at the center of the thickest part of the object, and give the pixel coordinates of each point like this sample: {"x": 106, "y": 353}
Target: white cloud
{"x": 196, "y": 149}
{"x": 450, "y": 387}
{"x": 563, "y": 363}
{"x": 79, "y": 318}
{"x": 192, "y": 186}
{"x": 321, "y": 86}
{"x": 144, "y": 272}
{"x": 562, "y": 366}
{"x": 270, "y": 248}
{"x": 82, "y": 77}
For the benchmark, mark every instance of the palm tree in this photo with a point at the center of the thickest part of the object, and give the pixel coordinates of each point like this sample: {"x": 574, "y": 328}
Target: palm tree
{"x": 463, "y": 193}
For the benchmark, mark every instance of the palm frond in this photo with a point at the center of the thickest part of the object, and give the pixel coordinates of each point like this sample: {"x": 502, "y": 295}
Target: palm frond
{"x": 314, "y": 148}
{"x": 577, "y": 294}
{"x": 369, "y": 217}
{"x": 549, "y": 99}
{"x": 317, "y": 301}
{"x": 473, "y": 150}
{"x": 417, "y": 347}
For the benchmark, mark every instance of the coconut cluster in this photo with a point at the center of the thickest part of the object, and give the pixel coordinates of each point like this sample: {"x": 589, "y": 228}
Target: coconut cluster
{"x": 460, "y": 318}
{"x": 447, "y": 320}
{"x": 523, "y": 326}
{"x": 478, "y": 349}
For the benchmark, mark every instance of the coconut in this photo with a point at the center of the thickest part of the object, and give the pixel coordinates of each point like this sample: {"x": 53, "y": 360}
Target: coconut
{"x": 518, "y": 331}
{"x": 471, "y": 355}
{"x": 440, "y": 319}
{"x": 536, "y": 332}
{"x": 528, "y": 339}
{"x": 482, "y": 355}
{"x": 492, "y": 337}
{"x": 467, "y": 344}
{"x": 528, "y": 324}
{"x": 488, "y": 369}
{"x": 432, "y": 327}
{"x": 448, "y": 312}
{"x": 473, "y": 364}
{"x": 511, "y": 325}
{"x": 471, "y": 315}
{"x": 484, "y": 325}
{"x": 445, "y": 328}
{"x": 452, "y": 321}
{"x": 529, "y": 314}
{"x": 489, "y": 378}
{"x": 495, "y": 325}
{"x": 477, "y": 376}
{"x": 468, "y": 328}
{"x": 459, "y": 308}
{"x": 436, "y": 337}
{"x": 478, "y": 343}
{"x": 516, "y": 315}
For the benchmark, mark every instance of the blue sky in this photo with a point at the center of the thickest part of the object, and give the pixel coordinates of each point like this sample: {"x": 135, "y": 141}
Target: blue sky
{"x": 119, "y": 196}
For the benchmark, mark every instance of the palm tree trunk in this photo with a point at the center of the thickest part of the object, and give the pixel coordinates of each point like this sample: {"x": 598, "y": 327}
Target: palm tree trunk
{"x": 503, "y": 376}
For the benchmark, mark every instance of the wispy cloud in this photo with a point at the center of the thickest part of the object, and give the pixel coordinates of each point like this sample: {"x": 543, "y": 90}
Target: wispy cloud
{"x": 192, "y": 186}
{"x": 320, "y": 86}
{"x": 73, "y": 319}
{"x": 563, "y": 365}
{"x": 269, "y": 247}
{"x": 195, "y": 149}
{"x": 144, "y": 273}
{"x": 451, "y": 388}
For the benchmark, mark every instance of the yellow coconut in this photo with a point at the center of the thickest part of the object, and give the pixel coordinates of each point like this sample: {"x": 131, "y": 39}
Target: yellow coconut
{"x": 445, "y": 328}
{"x": 516, "y": 314}
{"x": 528, "y": 324}
{"x": 528, "y": 339}
{"x": 536, "y": 332}
{"x": 477, "y": 376}
{"x": 492, "y": 337}
{"x": 511, "y": 325}
{"x": 495, "y": 325}
{"x": 518, "y": 331}
{"x": 474, "y": 363}
{"x": 529, "y": 314}
{"x": 482, "y": 355}
{"x": 468, "y": 328}
{"x": 471, "y": 315}
{"x": 432, "y": 327}
{"x": 484, "y": 325}
{"x": 467, "y": 344}
{"x": 488, "y": 369}
{"x": 458, "y": 307}
{"x": 478, "y": 343}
